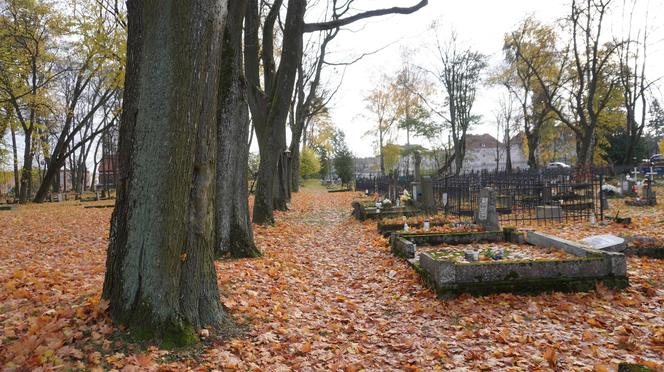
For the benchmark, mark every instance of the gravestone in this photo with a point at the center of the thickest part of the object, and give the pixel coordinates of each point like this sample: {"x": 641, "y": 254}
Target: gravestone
{"x": 549, "y": 212}
{"x": 417, "y": 187}
{"x": 428, "y": 202}
{"x": 486, "y": 214}
{"x": 418, "y": 162}
{"x": 7, "y": 207}
{"x": 609, "y": 243}
{"x": 648, "y": 192}
{"x": 605, "y": 201}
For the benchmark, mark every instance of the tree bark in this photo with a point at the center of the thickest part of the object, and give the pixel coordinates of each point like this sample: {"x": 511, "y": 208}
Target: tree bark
{"x": 17, "y": 184}
{"x": 271, "y": 131}
{"x": 160, "y": 276}
{"x": 234, "y": 234}
{"x": 295, "y": 166}
{"x": 26, "y": 172}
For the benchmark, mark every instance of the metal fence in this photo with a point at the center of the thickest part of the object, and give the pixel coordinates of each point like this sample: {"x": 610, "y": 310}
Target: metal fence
{"x": 546, "y": 196}
{"x": 381, "y": 184}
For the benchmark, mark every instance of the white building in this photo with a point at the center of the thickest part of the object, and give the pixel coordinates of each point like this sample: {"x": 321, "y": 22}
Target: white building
{"x": 483, "y": 151}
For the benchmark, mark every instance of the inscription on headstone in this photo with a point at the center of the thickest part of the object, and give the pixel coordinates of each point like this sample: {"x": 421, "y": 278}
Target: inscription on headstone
{"x": 484, "y": 208}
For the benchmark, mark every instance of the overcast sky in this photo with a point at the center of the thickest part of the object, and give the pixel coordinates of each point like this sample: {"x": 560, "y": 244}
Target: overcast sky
{"x": 480, "y": 24}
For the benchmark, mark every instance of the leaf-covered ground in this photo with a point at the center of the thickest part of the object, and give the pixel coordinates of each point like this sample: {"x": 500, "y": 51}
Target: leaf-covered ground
{"x": 328, "y": 294}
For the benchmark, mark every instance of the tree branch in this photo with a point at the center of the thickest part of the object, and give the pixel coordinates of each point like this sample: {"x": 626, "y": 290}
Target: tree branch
{"x": 321, "y": 26}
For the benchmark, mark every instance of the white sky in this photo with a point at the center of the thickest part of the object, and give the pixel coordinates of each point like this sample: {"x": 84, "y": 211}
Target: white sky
{"x": 480, "y": 24}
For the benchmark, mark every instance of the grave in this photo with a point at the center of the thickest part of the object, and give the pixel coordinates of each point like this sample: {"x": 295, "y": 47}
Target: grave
{"x": 644, "y": 246}
{"x": 581, "y": 272}
{"x": 608, "y": 243}
{"x": 486, "y": 214}
{"x": 364, "y": 209}
{"x": 647, "y": 197}
{"x": 549, "y": 212}
{"x": 7, "y": 207}
{"x": 386, "y": 228}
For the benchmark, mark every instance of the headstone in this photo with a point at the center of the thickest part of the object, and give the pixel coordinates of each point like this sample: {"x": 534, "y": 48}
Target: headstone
{"x": 610, "y": 243}
{"x": 7, "y": 207}
{"x": 417, "y": 192}
{"x": 428, "y": 202}
{"x": 547, "y": 192}
{"x": 486, "y": 214}
{"x": 471, "y": 255}
{"x": 548, "y": 212}
{"x": 625, "y": 187}
{"x": 605, "y": 201}
{"x": 418, "y": 161}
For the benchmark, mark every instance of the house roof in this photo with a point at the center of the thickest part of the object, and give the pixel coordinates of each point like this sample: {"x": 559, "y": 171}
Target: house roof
{"x": 474, "y": 141}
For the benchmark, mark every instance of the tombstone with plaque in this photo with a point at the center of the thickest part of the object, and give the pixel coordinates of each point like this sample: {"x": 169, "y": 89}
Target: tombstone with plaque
{"x": 486, "y": 214}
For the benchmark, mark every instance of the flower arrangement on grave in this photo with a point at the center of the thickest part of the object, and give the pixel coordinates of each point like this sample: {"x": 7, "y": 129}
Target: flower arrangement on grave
{"x": 387, "y": 203}
{"x": 405, "y": 197}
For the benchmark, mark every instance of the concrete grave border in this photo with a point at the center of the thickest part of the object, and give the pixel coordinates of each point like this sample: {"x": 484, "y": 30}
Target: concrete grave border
{"x": 480, "y": 278}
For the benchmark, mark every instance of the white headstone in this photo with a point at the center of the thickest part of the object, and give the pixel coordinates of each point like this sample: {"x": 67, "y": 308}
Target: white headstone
{"x": 610, "y": 243}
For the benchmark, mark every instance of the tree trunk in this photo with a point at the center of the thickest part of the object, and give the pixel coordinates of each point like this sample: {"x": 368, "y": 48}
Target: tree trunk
{"x": 508, "y": 151}
{"x": 533, "y": 143}
{"x": 459, "y": 154}
{"x": 234, "y": 233}
{"x": 267, "y": 171}
{"x": 380, "y": 149}
{"x": 52, "y": 173}
{"x": 160, "y": 276}
{"x": 281, "y": 197}
{"x": 271, "y": 134}
{"x": 585, "y": 144}
{"x": 17, "y": 184}
{"x": 295, "y": 167}
{"x": 26, "y": 172}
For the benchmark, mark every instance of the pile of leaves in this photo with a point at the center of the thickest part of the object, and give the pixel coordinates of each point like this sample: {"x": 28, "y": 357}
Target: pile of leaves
{"x": 412, "y": 220}
{"x": 327, "y": 294}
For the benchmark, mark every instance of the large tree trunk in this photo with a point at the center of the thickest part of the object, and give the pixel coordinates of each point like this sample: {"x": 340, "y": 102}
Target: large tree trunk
{"x": 585, "y": 144}
{"x": 533, "y": 144}
{"x": 17, "y": 183}
{"x": 459, "y": 154}
{"x": 271, "y": 133}
{"x": 26, "y": 172}
{"x": 265, "y": 180}
{"x": 295, "y": 166}
{"x": 52, "y": 173}
{"x": 234, "y": 234}
{"x": 160, "y": 276}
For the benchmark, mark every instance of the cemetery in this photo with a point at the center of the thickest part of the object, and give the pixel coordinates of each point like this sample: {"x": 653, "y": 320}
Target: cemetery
{"x": 300, "y": 185}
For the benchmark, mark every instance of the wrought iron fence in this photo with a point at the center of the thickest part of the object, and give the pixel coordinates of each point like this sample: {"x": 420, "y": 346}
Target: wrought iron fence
{"x": 545, "y": 196}
{"x": 381, "y": 184}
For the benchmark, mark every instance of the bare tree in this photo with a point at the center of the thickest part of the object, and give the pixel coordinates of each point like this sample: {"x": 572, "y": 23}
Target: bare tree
{"x": 380, "y": 102}
{"x": 632, "y": 55}
{"x": 459, "y": 74}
